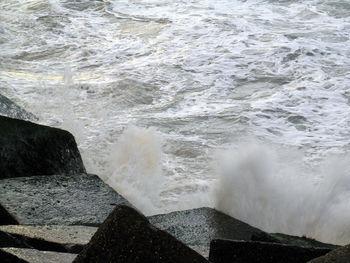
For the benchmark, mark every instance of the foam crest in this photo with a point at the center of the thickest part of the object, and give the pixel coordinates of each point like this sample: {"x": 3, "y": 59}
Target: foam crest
{"x": 270, "y": 189}
{"x": 136, "y": 165}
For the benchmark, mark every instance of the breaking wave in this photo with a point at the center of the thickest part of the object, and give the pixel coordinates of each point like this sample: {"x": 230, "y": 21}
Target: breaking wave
{"x": 272, "y": 189}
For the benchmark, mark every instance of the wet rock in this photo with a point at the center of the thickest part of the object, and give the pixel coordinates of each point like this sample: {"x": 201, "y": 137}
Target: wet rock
{"x": 69, "y": 239}
{"x": 7, "y": 257}
{"x": 5, "y": 217}
{"x": 291, "y": 240}
{"x": 25, "y": 255}
{"x": 300, "y": 241}
{"x": 197, "y": 227}
{"x": 10, "y": 109}
{"x": 232, "y": 251}
{"x": 264, "y": 237}
{"x": 7, "y": 240}
{"x": 127, "y": 236}
{"x": 339, "y": 255}
{"x": 28, "y": 149}
{"x": 82, "y": 199}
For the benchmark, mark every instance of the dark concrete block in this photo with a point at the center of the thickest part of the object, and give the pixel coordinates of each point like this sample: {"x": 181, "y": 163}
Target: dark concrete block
{"x": 7, "y": 240}
{"x": 231, "y": 251}
{"x": 70, "y": 239}
{"x": 265, "y": 237}
{"x": 300, "y": 241}
{"x": 7, "y": 257}
{"x": 28, "y": 149}
{"x": 5, "y": 217}
{"x": 197, "y": 227}
{"x": 127, "y": 236}
{"x": 339, "y": 255}
{"x": 25, "y": 255}
{"x": 10, "y": 109}
{"x": 82, "y": 199}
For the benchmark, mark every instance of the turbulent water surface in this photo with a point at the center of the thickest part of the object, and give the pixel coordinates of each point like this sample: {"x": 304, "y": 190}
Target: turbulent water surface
{"x": 241, "y": 105}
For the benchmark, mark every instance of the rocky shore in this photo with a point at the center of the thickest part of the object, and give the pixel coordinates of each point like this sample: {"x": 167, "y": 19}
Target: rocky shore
{"x": 51, "y": 210}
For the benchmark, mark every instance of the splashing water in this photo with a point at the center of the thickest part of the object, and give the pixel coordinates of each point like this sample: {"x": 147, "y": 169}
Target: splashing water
{"x": 136, "y": 172}
{"x": 202, "y": 73}
{"x": 136, "y": 168}
{"x": 270, "y": 190}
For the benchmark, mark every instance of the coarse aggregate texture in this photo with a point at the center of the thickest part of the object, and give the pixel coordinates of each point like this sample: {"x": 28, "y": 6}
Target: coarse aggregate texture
{"x": 82, "y": 199}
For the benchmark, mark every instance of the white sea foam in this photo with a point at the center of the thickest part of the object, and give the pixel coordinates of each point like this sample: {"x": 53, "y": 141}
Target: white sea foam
{"x": 201, "y": 73}
{"x": 136, "y": 168}
{"x": 270, "y": 189}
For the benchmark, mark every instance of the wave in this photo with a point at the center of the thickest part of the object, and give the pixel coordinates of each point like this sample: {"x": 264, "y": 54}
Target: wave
{"x": 273, "y": 190}
{"x": 136, "y": 168}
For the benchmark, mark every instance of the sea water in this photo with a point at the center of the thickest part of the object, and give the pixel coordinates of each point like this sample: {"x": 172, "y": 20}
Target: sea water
{"x": 238, "y": 105}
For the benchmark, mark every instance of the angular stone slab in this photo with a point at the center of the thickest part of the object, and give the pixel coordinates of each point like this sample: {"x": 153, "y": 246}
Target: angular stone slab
{"x": 127, "y": 237}
{"x": 69, "y": 239}
{"x": 7, "y": 240}
{"x": 28, "y": 149}
{"x": 7, "y": 257}
{"x": 339, "y": 255}
{"x": 197, "y": 227}
{"x": 82, "y": 199}
{"x": 10, "y": 109}
{"x": 300, "y": 241}
{"x": 25, "y": 255}
{"x": 232, "y": 251}
{"x": 6, "y": 217}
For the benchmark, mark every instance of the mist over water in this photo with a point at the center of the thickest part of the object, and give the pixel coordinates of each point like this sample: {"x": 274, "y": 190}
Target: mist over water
{"x": 270, "y": 188}
{"x": 136, "y": 168}
{"x": 164, "y": 96}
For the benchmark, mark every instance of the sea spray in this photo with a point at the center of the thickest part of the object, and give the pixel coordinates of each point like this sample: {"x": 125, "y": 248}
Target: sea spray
{"x": 277, "y": 70}
{"x": 136, "y": 168}
{"x": 333, "y": 209}
{"x": 69, "y": 120}
{"x": 270, "y": 189}
{"x": 66, "y": 95}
